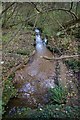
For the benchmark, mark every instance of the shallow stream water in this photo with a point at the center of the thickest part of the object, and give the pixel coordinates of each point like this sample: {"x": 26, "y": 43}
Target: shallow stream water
{"x": 34, "y": 80}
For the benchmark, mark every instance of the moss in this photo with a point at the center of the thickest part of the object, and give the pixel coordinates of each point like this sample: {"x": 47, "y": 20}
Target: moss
{"x": 9, "y": 91}
{"x": 23, "y": 52}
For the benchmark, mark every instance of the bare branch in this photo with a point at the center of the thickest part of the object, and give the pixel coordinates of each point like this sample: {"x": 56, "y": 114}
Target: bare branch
{"x": 14, "y": 9}
{"x": 36, "y": 7}
{"x": 35, "y": 20}
{"x": 71, "y": 5}
{"x": 13, "y": 36}
{"x": 48, "y": 10}
{"x": 28, "y": 18}
{"x": 72, "y": 22}
{"x": 62, "y": 9}
{"x": 10, "y": 17}
{"x": 7, "y": 8}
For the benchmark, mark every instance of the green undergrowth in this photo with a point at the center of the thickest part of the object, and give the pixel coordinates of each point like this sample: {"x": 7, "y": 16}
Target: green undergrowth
{"x": 58, "y": 94}
{"x": 0, "y": 107}
{"x": 48, "y": 112}
{"x": 73, "y": 64}
{"x": 56, "y": 109}
{"x": 9, "y": 91}
{"x": 23, "y": 52}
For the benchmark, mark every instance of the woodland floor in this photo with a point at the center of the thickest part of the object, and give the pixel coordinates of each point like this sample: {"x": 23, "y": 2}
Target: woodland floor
{"x": 18, "y": 51}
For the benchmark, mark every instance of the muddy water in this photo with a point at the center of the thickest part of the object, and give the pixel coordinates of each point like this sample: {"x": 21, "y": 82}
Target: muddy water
{"x": 34, "y": 80}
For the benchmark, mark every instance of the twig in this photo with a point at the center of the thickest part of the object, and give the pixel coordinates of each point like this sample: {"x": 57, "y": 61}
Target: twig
{"x": 13, "y": 36}
{"x": 72, "y": 22}
{"x": 35, "y": 7}
{"x": 60, "y": 58}
{"x": 59, "y": 24}
{"x": 35, "y": 21}
{"x": 18, "y": 66}
{"x": 28, "y": 18}
{"x": 7, "y": 8}
{"x": 11, "y": 13}
{"x": 51, "y": 9}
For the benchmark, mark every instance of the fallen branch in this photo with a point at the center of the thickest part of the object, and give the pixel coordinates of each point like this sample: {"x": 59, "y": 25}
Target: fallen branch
{"x": 60, "y": 58}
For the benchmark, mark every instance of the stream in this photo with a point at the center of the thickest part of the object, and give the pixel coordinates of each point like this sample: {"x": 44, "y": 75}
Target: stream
{"x": 34, "y": 80}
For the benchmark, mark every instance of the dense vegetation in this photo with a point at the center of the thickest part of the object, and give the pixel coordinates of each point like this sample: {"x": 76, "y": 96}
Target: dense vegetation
{"x": 60, "y": 22}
